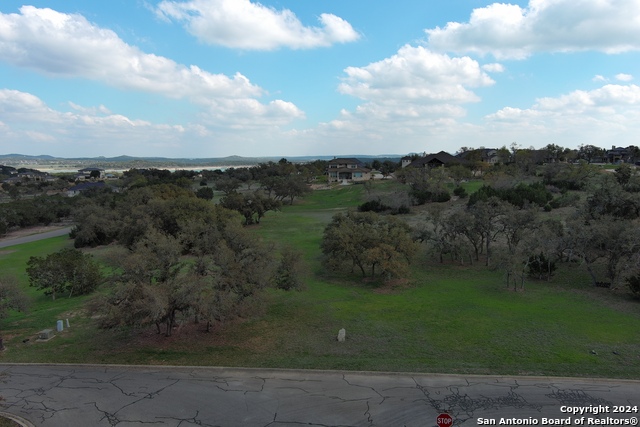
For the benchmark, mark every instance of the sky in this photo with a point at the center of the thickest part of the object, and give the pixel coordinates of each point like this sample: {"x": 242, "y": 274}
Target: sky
{"x": 214, "y": 78}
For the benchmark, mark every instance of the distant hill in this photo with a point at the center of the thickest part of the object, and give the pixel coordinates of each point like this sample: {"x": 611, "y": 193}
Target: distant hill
{"x": 25, "y": 157}
{"x": 126, "y": 161}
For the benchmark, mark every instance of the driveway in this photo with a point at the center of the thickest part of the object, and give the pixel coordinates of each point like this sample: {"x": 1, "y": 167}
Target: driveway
{"x": 34, "y": 237}
{"x": 81, "y": 395}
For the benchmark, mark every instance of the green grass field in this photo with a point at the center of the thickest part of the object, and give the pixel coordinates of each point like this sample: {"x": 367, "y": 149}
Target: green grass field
{"x": 446, "y": 318}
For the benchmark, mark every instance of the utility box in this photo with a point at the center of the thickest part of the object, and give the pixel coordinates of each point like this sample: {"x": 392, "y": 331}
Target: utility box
{"x": 45, "y": 334}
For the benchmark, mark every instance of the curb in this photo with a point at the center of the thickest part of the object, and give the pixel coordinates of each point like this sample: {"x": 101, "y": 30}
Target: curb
{"x": 326, "y": 371}
{"x": 17, "y": 419}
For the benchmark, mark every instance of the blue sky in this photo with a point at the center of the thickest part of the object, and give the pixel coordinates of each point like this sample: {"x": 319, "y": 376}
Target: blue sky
{"x": 211, "y": 78}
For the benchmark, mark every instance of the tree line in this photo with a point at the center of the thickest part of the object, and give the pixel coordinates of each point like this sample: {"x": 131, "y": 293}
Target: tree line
{"x": 507, "y": 226}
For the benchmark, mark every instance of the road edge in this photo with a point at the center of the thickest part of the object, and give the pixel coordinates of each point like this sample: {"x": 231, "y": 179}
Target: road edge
{"x": 23, "y": 422}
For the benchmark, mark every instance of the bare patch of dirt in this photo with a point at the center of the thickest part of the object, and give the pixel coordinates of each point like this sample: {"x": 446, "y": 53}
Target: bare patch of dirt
{"x": 193, "y": 338}
{"x": 188, "y": 334}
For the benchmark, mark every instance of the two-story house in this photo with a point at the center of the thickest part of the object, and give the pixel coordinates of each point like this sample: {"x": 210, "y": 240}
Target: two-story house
{"x": 347, "y": 170}
{"x": 89, "y": 173}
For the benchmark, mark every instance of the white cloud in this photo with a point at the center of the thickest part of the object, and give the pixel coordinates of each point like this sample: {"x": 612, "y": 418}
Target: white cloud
{"x": 28, "y": 125}
{"x": 599, "y": 78}
{"x": 410, "y": 98}
{"x": 68, "y": 45}
{"x": 101, "y": 109}
{"x": 493, "y": 68}
{"x": 35, "y": 127}
{"x": 408, "y": 92}
{"x": 253, "y": 26}
{"x": 417, "y": 75}
{"x": 246, "y": 114}
{"x": 65, "y": 45}
{"x": 624, "y": 77}
{"x": 510, "y": 31}
{"x": 609, "y": 115}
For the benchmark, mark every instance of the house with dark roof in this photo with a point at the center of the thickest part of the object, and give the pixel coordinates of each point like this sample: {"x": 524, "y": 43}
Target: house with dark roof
{"x": 406, "y": 161}
{"x": 85, "y": 186}
{"x": 438, "y": 159}
{"x": 88, "y": 173}
{"x": 347, "y": 170}
{"x": 487, "y": 155}
{"x": 29, "y": 175}
{"x": 620, "y": 155}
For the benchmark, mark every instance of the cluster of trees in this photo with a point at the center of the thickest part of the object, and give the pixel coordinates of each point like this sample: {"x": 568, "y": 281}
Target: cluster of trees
{"x": 551, "y": 153}
{"x": 282, "y": 181}
{"x": 179, "y": 254}
{"x": 137, "y": 178}
{"x": 236, "y": 177}
{"x": 68, "y": 270}
{"x": 535, "y": 193}
{"x": 385, "y": 166}
{"x": 427, "y": 185}
{"x": 374, "y": 244}
{"x": 176, "y": 253}
{"x": 602, "y": 233}
{"x": 42, "y": 210}
{"x": 252, "y": 206}
{"x": 31, "y": 188}
{"x": 569, "y": 176}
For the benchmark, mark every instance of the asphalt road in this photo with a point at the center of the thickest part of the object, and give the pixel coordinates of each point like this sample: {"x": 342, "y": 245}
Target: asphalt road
{"x": 35, "y": 237}
{"x": 80, "y": 395}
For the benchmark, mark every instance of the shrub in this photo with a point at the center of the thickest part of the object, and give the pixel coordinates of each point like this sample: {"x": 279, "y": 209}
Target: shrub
{"x": 373, "y": 206}
{"x": 205, "y": 193}
{"x": 634, "y": 285}
{"x": 402, "y": 210}
{"x": 425, "y": 196}
{"x": 460, "y": 192}
{"x": 540, "y": 266}
{"x": 535, "y": 193}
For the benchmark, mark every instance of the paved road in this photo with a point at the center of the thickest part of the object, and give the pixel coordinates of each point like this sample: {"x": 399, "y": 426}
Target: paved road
{"x": 35, "y": 237}
{"x": 77, "y": 395}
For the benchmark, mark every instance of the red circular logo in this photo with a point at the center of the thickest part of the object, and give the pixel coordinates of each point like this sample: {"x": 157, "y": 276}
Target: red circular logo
{"x": 444, "y": 420}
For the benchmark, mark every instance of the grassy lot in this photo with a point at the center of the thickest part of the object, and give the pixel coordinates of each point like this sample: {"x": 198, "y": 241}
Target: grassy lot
{"x": 446, "y": 318}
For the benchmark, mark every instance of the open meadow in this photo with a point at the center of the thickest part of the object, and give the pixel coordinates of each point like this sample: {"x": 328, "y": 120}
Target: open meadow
{"x": 444, "y": 318}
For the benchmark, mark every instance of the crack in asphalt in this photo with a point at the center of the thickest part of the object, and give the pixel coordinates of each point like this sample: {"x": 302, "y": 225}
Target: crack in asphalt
{"x": 576, "y": 397}
{"x": 78, "y": 392}
{"x": 299, "y": 423}
{"x": 193, "y": 421}
{"x": 463, "y": 407}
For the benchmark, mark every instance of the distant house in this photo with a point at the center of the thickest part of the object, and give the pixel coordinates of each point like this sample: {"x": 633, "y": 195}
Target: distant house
{"x": 406, "y": 161}
{"x": 30, "y": 175}
{"x": 88, "y": 173}
{"x": 434, "y": 160}
{"x": 13, "y": 180}
{"x": 85, "y": 186}
{"x": 487, "y": 155}
{"x": 347, "y": 170}
{"x": 621, "y": 154}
